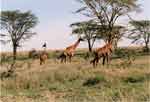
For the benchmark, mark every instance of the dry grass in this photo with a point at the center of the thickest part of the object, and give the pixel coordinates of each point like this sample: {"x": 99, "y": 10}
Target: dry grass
{"x": 56, "y": 82}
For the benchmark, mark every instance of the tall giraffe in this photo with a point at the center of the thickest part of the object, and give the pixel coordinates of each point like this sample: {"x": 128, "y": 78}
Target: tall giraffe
{"x": 43, "y": 55}
{"x": 104, "y": 52}
{"x": 69, "y": 51}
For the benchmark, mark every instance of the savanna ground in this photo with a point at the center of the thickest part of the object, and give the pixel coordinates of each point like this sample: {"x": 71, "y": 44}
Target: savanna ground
{"x": 120, "y": 81}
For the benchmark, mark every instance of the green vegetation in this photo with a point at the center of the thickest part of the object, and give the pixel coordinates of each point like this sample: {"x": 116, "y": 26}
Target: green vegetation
{"x": 125, "y": 79}
{"x": 78, "y": 81}
{"x": 16, "y": 27}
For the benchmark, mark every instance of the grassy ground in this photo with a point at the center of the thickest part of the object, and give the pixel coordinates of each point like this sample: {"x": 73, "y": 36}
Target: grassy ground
{"x": 78, "y": 81}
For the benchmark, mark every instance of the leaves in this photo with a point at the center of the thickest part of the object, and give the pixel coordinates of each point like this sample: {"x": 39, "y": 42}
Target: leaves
{"x": 18, "y": 25}
{"x": 107, "y": 12}
{"x": 140, "y": 31}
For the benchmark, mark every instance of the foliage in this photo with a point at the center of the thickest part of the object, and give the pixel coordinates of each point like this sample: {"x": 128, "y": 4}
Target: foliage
{"x": 140, "y": 32}
{"x": 92, "y": 31}
{"x": 65, "y": 81}
{"x": 95, "y": 80}
{"x": 135, "y": 78}
{"x": 17, "y": 27}
{"x": 88, "y": 30}
{"x": 107, "y": 12}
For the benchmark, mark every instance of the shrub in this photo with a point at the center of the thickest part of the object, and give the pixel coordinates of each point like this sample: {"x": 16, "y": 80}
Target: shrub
{"x": 134, "y": 79}
{"x": 95, "y": 80}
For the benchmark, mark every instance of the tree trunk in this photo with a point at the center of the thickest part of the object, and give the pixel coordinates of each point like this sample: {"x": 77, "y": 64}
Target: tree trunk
{"x": 146, "y": 47}
{"x": 14, "y": 52}
{"x": 89, "y": 45}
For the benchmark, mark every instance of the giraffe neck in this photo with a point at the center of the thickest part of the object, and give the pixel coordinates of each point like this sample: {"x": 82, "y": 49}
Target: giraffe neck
{"x": 76, "y": 44}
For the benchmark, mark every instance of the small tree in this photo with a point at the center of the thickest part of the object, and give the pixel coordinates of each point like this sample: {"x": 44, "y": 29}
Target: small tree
{"x": 17, "y": 27}
{"x": 141, "y": 32}
{"x": 87, "y": 31}
{"x": 92, "y": 31}
{"x": 118, "y": 32}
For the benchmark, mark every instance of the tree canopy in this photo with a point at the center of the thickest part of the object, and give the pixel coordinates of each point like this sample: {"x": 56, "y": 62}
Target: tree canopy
{"x": 92, "y": 31}
{"x": 140, "y": 32}
{"x": 16, "y": 27}
{"x": 107, "y": 12}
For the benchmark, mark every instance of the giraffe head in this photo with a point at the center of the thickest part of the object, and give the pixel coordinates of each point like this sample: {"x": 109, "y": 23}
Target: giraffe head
{"x": 80, "y": 39}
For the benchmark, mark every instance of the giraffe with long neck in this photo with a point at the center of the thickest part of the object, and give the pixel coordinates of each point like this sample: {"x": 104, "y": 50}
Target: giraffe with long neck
{"x": 43, "y": 55}
{"x": 104, "y": 52}
{"x": 69, "y": 51}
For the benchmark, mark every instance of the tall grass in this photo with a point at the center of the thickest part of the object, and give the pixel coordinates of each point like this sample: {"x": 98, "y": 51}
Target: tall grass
{"x": 78, "y": 82}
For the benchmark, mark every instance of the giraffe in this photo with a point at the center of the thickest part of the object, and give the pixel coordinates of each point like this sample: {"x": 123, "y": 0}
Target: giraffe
{"x": 69, "y": 51}
{"x": 43, "y": 57}
{"x": 104, "y": 52}
{"x": 33, "y": 54}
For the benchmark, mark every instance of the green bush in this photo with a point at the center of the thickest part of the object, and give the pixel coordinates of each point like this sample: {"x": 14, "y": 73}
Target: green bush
{"x": 95, "y": 80}
{"x": 134, "y": 79}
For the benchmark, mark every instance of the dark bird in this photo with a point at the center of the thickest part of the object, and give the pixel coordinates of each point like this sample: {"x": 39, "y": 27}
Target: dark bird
{"x": 44, "y": 45}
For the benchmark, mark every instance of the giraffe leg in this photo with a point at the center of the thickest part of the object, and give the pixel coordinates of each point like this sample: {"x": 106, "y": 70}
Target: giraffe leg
{"x": 103, "y": 59}
{"x": 72, "y": 54}
{"x": 61, "y": 60}
{"x": 107, "y": 58}
{"x": 70, "y": 58}
{"x": 40, "y": 61}
{"x": 65, "y": 59}
{"x": 93, "y": 62}
{"x": 62, "y": 57}
{"x": 97, "y": 60}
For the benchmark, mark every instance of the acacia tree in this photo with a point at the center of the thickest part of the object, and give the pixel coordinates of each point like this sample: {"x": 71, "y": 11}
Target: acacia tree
{"x": 118, "y": 31}
{"x": 92, "y": 31}
{"x": 87, "y": 30}
{"x": 140, "y": 32}
{"x": 107, "y": 12}
{"x": 17, "y": 27}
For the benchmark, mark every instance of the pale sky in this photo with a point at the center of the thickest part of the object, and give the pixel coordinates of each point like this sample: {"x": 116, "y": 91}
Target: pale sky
{"x": 55, "y": 16}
